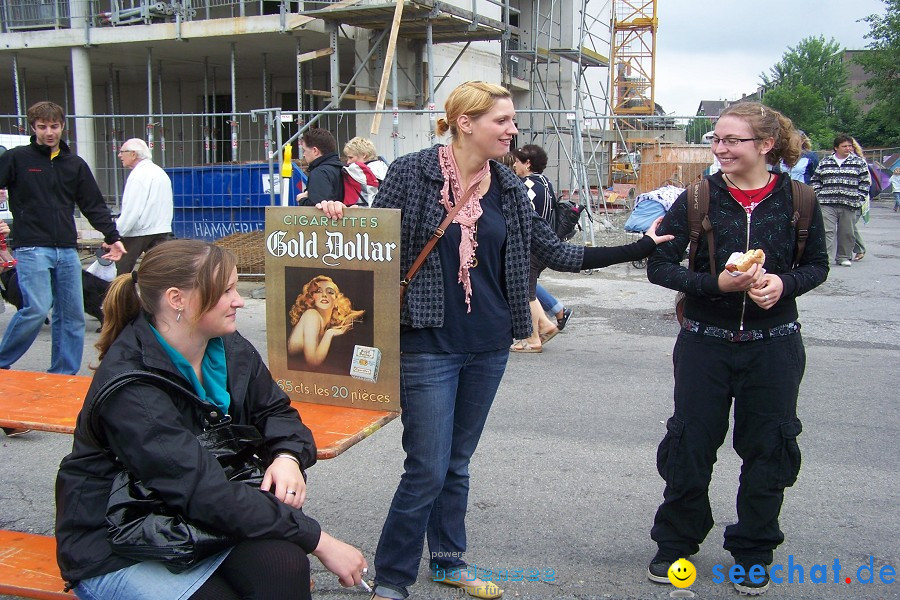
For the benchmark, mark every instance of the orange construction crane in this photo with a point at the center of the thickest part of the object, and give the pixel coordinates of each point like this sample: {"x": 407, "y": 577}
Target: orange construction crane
{"x": 632, "y": 60}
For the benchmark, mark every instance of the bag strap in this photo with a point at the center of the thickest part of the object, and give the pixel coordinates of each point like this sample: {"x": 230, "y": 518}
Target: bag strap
{"x": 211, "y": 414}
{"x": 438, "y": 234}
{"x": 698, "y": 221}
{"x": 804, "y": 202}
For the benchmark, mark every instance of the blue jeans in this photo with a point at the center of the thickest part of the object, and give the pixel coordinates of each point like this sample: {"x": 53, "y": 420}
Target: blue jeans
{"x": 149, "y": 581}
{"x": 445, "y": 400}
{"x": 548, "y": 302}
{"x": 48, "y": 278}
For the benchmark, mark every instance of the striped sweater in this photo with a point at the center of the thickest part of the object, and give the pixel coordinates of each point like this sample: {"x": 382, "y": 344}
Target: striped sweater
{"x": 846, "y": 183}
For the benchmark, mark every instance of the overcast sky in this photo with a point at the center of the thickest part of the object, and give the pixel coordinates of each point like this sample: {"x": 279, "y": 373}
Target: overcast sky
{"x": 716, "y": 49}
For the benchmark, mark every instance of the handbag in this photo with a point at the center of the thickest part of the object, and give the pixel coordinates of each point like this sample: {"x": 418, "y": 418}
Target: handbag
{"x": 429, "y": 246}
{"x": 141, "y": 526}
{"x": 7, "y": 260}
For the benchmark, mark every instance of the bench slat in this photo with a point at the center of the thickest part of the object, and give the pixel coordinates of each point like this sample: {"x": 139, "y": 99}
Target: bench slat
{"x": 28, "y": 566}
{"x": 49, "y": 402}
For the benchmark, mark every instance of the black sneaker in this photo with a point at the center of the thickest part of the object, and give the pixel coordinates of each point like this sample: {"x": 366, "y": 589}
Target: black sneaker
{"x": 658, "y": 570}
{"x": 756, "y": 586}
{"x": 561, "y": 323}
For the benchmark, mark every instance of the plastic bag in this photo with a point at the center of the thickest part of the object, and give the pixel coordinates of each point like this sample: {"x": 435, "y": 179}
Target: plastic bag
{"x": 104, "y": 272}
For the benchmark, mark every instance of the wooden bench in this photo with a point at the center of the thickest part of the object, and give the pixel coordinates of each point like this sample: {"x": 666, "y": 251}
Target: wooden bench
{"x": 47, "y": 402}
{"x": 28, "y": 566}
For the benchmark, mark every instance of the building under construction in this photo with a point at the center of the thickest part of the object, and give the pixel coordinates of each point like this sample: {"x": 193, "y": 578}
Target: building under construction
{"x": 230, "y": 82}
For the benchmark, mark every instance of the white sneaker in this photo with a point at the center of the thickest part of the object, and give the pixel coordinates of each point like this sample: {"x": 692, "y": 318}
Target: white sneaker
{"x": 846, "y": 263}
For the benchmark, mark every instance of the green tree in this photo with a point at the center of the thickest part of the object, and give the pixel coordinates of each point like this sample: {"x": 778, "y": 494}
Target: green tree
{"x": 810, "y": 85}
{"x": 815, "y": 63}
{"x": 695, "y": 129}
{"x": 882, "y": 62}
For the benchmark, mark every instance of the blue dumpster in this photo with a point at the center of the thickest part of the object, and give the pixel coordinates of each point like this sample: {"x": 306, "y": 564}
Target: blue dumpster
{"x": 215, "y": 201}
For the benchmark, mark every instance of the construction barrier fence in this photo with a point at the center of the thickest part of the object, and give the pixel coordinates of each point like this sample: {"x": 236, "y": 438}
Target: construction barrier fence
{"x": 225, "y": 167}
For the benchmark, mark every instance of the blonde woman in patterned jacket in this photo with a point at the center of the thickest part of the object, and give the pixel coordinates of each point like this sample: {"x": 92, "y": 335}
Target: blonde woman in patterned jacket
{"x": 459, "y": 316}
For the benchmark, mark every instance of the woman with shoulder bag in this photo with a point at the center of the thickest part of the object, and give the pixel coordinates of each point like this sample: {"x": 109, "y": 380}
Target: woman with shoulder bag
{"x": 740, "y": 339}
{"x": 459, "y": 315}
{"x": 172, "y": 322}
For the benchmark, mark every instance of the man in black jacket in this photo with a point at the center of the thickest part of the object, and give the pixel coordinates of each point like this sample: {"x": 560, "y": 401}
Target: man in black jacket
{"x": 46, "y": 181}
{"x": 325, "y": 167}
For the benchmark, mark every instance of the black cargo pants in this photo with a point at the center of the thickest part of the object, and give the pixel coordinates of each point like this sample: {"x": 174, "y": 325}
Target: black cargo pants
{"x": 763, "y": 377}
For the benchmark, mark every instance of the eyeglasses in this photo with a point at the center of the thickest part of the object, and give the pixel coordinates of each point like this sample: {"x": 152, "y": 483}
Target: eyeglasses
{"x": 731, "y": 142}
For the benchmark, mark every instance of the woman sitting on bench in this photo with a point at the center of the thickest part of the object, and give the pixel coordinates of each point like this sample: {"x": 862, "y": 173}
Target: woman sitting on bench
{"x": 175, "y": 317}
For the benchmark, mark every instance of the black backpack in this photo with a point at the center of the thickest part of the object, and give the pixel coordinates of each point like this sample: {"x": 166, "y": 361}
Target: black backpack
{"x": 565, "y": 218}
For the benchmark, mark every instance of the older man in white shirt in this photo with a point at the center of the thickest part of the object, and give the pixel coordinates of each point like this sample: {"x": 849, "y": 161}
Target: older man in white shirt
{"x": 146, "y": 218}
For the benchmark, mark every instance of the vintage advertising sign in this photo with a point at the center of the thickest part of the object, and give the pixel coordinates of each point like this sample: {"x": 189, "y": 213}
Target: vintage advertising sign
{"x": 333, "y": 305}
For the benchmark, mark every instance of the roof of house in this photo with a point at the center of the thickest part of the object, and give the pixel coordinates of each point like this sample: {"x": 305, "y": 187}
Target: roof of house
{"x": 711, "y": 108}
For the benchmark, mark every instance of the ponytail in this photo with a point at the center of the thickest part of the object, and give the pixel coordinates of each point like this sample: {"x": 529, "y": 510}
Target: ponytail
{"x": 121, "y": 306}
{"x": 442, "y": 126}
{"x": 788, "y": 143}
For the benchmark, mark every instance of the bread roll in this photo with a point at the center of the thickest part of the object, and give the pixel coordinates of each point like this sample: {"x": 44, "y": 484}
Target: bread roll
{"x": 746, "y": 261}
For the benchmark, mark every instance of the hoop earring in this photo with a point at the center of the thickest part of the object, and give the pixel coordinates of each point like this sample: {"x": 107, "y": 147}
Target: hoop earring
{"x": 178, "y": 316}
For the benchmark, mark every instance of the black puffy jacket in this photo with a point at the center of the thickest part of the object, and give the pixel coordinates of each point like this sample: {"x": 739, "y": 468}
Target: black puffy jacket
{"x": 769, "y": 228}
{"x": 155, "y": 435}
{"x": 325, "y": 180}
{"x": 43, "y": 194}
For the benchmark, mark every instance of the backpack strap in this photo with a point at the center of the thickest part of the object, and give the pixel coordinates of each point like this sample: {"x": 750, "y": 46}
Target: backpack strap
{"x": 804, "y": 205}
{"x": 698, "y": 221}
{"x": 549, "y": 197}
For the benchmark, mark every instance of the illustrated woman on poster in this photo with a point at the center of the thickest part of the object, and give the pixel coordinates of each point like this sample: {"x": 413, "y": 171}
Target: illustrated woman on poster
{"x": 314, "y": 330}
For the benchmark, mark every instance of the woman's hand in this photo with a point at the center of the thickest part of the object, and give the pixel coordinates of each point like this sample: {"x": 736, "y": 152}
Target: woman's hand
{"x": 343, "y": 560}
{"x": 332, "y": 208}
{"x": 339, "y": 329}
{"x": 768, "y": 292}
{"x": 659, "y": 239}
{"x": 290, "y": 487}
{"x": 4, "y": 227}
{"x": 740, "y": 283}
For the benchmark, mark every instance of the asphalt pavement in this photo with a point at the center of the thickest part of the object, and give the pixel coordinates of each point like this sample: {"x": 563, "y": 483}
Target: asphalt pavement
{"x": 564, "y": 481}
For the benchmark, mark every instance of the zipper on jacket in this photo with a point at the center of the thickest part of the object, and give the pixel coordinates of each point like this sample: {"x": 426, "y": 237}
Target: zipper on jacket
{"x": 747, "y": 249}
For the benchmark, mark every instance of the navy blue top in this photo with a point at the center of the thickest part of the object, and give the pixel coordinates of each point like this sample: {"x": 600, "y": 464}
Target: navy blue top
{"x": 489, "y": 326}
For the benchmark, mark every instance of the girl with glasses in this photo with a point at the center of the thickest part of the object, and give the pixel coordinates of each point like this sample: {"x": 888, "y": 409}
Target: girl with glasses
{"x": 740, "y": 339}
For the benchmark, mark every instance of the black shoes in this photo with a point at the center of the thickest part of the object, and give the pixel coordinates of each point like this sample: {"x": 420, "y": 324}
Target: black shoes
{"x": 658, "y": 570}
{"x": 561, "y": 322}
{"x": 755, "y": 582}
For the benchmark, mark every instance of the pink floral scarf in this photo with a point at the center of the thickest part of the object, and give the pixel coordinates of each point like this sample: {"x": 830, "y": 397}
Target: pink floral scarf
{"x": 467, "y": 217}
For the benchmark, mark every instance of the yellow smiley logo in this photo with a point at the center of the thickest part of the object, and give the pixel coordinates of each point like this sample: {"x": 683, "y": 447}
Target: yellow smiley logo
{"x": 682, "y": 573}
